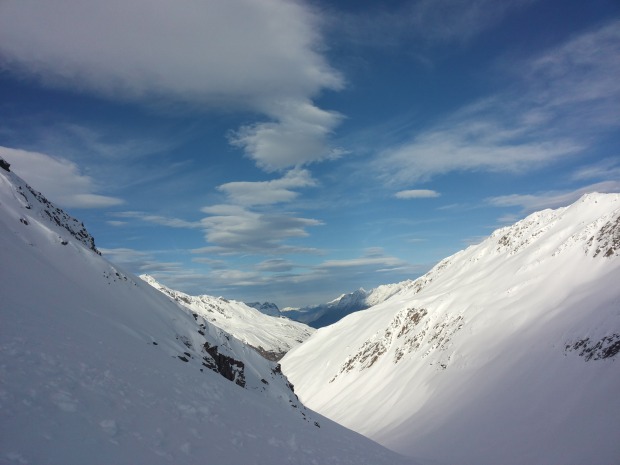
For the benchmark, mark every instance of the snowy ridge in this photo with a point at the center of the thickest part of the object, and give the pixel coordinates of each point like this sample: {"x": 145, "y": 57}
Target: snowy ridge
{"x": 98, "y": 367}
{"x": 271, "y": 336}
{"x": 36, "y": 206}
{"x": 476, "y": 352}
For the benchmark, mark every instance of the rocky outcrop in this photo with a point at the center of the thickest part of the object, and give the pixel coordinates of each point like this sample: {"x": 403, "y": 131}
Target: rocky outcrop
{"x": 228, "y": 367}
{"x": 38, "y": 205}
{"x": 606, "y": 347}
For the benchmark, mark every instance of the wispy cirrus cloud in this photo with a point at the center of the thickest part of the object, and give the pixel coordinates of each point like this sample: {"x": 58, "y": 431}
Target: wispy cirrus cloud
{"x": 475, "y": 139}
{"x": 303, "y": 284}
{"x": 275, "y": 265}
{"x": 158, "y": 219}
{"x": 581, "y": 71}
{"x": 140, "y": 261}
{"x": 61, "y": 180}
{"x": 608, "y": 168}
{"x": 563, "y": 98}
{"x": 258, "y": 56}
{"x": 423, "y": 22}
{"x": 280, "y": 279}
{"x": 551, "y": 199}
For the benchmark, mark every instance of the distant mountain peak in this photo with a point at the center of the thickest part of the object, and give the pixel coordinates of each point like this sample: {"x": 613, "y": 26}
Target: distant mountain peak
{"x": 268, "y": 308}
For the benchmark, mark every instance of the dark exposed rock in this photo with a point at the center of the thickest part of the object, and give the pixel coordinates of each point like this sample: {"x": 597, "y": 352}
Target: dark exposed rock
{"x": 4, "y": 164}
{"x": 226, "y": 366}
{"x": 58, "y": 217}
{"x": 269, "y": 354}
{"x": 607, "y": 239}
{"x": 606, "y": 347}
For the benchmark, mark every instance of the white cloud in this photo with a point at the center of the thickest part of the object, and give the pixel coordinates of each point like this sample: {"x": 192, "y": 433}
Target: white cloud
{"x": 298, "y": 136}
{"x": 428, "y": 20}
{"x": 563, "y": 99}
{"x": 234, "y": 229}
{"x": 59, "y": 179}
{"x": 552, "y": 199}
{"x": 214, "y": 51}
{"x": 268, "y": 192}
{"x": 417, "y": 194}
{"x": 604, "y": 169}
{"x": 262, "y": 56}
{"x": 475, "y": 139}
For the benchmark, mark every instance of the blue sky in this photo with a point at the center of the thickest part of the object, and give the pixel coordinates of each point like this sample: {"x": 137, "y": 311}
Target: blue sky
{"x": 292, "y": 151}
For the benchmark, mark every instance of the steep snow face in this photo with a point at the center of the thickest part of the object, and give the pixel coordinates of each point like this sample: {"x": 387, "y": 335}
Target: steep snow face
{"x": 98, "y": 367}
{"x": 503, "y": 353}
{"x": 331, "y": 312}
{"x": 271, "y": 337}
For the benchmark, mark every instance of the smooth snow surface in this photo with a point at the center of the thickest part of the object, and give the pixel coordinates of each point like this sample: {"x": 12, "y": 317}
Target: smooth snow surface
{"x": 505, "y": 353}
{"x": 99, "y": 368}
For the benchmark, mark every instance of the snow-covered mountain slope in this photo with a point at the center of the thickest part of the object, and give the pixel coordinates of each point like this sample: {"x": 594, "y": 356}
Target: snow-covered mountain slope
{"x": 326, "y": 314}
{"x": 270, "y": 336}
{"x": 506, "y": 352}
{"x": 97, "y": 367}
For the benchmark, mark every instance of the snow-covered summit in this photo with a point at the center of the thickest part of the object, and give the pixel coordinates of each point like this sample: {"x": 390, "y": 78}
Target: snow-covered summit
{"x": 271, "y": 336}
{"x": 506, "y": 351}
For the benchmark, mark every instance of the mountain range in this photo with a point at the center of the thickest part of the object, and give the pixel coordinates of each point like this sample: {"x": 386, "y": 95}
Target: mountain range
{"x": 505, "y": 352}
{"x": 99, "y": 367}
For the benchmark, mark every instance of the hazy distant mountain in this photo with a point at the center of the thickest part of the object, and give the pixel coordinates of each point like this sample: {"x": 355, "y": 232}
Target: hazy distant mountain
{"x": 504, "y": 353}
{"x": 271, "y": 336}
{"x": 268, "y": 308}
{"x": 326, "y": 314}
{"x": 98, "y": 367}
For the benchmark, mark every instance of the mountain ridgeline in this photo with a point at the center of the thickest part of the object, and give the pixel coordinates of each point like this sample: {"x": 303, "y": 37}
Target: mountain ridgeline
{"x": 505, "y": 352}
